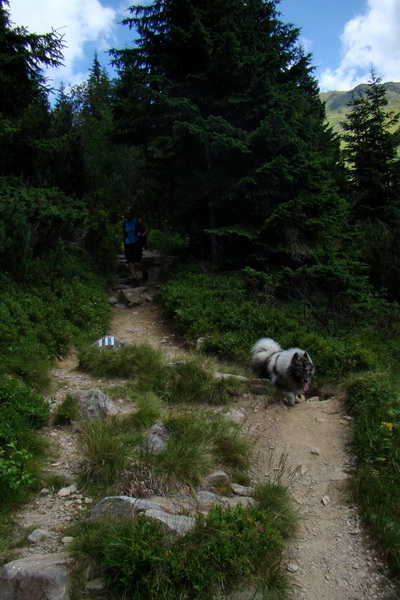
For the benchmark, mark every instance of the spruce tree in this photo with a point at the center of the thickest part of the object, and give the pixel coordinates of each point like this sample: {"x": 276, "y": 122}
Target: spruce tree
{"x": 371, "y": 153}
{"x": 222, "y": 102}
{"x": 371, "y": 145}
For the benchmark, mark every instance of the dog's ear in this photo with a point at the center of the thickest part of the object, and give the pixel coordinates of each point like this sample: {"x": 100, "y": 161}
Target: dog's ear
{"x": 295, "y": 357}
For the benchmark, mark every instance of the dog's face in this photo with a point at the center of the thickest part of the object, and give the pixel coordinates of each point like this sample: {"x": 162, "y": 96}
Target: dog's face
{"x": 302, "y": 369}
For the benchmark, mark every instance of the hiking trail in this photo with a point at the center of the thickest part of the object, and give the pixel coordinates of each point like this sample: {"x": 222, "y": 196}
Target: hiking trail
{"x": 332, "y": 557}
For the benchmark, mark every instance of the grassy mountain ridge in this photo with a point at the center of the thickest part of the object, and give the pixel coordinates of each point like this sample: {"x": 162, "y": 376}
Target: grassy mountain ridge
{"x": 336, "y": 102}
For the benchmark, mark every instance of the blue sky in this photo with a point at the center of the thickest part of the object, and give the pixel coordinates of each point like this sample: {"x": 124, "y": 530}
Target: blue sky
{"x": 346, "y": 37}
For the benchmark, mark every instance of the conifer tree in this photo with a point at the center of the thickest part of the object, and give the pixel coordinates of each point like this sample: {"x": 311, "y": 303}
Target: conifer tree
{"x": 222, "y": 102}
{"x": 371, "y": 153}
{"x": 374, "y": 184}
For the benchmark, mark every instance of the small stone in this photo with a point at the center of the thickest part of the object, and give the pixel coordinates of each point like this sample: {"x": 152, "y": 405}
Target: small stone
{"x": 292, "y": 567}
{"x": 325, "y": 500}
{"x": 67, "y": 491}
{"x": 67, "y": 539}
{"x": 96, "y": 585}
{"x": 38, "y": 535}
{"x": 315, "y": 451}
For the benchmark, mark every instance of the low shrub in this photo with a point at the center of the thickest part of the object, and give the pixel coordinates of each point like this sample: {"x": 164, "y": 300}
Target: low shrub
{"x": 39, "y": 321}
{"x": 226, "y": 548}
{"x": 169, "y": 242}
{"x": 192, "y": 381}
{"x": 67, "y": 411}
{"x": 226, "y": 313}
{"x": 374, "y": 401}
{"x": 22, "y": 410}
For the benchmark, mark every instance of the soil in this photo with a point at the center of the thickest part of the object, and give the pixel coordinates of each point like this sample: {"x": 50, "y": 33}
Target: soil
{"x": 332, "y": 558}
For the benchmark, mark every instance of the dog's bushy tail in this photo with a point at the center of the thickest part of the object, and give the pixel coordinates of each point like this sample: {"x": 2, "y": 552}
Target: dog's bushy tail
{"x": 262, "y": 351}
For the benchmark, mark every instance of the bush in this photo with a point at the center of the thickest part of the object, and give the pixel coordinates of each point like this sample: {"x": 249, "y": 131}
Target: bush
{"x": 67, "y": 411}
{"x": 170, "y": 242}
{"x": 38, "y": 323}
{"x": 221, "y": 309}
{"x": 374, "y": 401}
{"x": 21, "y": 411}
{"x": 227, "y": 547}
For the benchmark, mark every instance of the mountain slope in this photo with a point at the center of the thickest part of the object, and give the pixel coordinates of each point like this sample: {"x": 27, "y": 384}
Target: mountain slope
{"x": 336, "y": 102}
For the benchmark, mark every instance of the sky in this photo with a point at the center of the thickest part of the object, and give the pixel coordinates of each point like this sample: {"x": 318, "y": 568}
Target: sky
{"x": 346, "y": 38}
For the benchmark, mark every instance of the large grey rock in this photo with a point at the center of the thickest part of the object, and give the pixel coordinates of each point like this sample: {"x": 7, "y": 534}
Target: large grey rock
{"x": 176, "y": 524}
{"x": 40, "y": 577}
{"x": 95, "y": 404}
{"x": 155, "y": 438}
{"x": 121, "y": 507}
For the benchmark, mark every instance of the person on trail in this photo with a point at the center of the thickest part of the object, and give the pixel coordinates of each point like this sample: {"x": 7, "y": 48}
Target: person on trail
{"x": 135, "y": 232}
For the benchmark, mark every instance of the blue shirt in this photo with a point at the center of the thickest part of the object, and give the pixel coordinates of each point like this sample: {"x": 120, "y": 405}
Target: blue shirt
{"x": 131, "y": 235}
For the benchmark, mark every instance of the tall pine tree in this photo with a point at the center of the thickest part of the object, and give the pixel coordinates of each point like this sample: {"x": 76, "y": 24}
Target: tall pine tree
{"x": 371, "y": 144}
{"x": 222, "y": 102}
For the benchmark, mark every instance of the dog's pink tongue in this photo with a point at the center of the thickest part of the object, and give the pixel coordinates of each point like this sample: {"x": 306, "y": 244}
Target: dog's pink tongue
{"x": 306, "y": 387}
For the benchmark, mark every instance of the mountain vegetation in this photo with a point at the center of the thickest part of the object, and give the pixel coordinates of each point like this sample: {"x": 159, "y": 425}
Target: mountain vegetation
{"x": 215, "y": 131}
{"x": 337, "y": 103}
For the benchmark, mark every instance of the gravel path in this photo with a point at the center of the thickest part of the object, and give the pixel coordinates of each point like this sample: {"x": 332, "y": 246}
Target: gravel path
{"x": 332, "y": 558}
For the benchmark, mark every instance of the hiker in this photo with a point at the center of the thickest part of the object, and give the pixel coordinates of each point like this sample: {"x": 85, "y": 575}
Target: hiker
{"x": 135, "y": 232}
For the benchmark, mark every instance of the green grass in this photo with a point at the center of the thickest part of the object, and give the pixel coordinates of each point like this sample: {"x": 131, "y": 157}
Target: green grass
{"x": 191, "y": 380}
{"x": 67, "y": 411}
{"x": 374, "y": 400}
{"x": 199, "y": 442}
{"x": 362, "y": 359}
{"x": 227, "y": 549}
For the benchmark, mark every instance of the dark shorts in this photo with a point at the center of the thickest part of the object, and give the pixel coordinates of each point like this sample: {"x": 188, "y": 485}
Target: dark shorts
{"x": 133, "y": 252}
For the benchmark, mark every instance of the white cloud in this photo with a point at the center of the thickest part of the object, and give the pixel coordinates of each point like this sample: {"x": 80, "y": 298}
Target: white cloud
{"x": 370, "y": 39}
{"x": 80, "y": 21}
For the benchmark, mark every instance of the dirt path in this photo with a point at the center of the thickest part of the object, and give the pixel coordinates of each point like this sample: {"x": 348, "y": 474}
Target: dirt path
{"x": 331, "y": 559}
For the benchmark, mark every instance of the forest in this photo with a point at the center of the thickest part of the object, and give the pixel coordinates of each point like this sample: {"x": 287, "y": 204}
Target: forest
{"x": 214, "y": 130}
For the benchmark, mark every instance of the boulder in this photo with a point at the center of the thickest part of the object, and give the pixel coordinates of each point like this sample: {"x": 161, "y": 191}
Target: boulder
{"x": 155, "y": 438}
{"x": 95, "y": 404}
{"x": 40, "y": 577}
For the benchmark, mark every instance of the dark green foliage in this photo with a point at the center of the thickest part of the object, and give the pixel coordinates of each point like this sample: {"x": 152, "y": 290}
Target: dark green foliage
{"x": 35, "y": 223}
{"x": 39, "y": 322}
{"x": 167, "y": 242}
{"x": 374, "y": 184}
{"x": 19, "y": 405}
{"x": 21, "y": 411}
{"x": 371, "y": 151}
{"x": 221, "y": 101}
{"x": 374, "y": 402}
{"x": 227, "y": 547}
{"x": 22, "y": 54}
{"x": 139, "y": 362}
{"x": 67, "y": 411}
{"x": 232, "y": 317}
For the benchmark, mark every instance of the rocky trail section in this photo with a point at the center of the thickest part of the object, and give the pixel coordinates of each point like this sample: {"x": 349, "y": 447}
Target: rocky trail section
{"x": 332, "y": 558}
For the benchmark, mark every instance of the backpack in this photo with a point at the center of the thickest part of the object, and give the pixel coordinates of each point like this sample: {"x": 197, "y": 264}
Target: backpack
{"x": 142, "y": 239}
